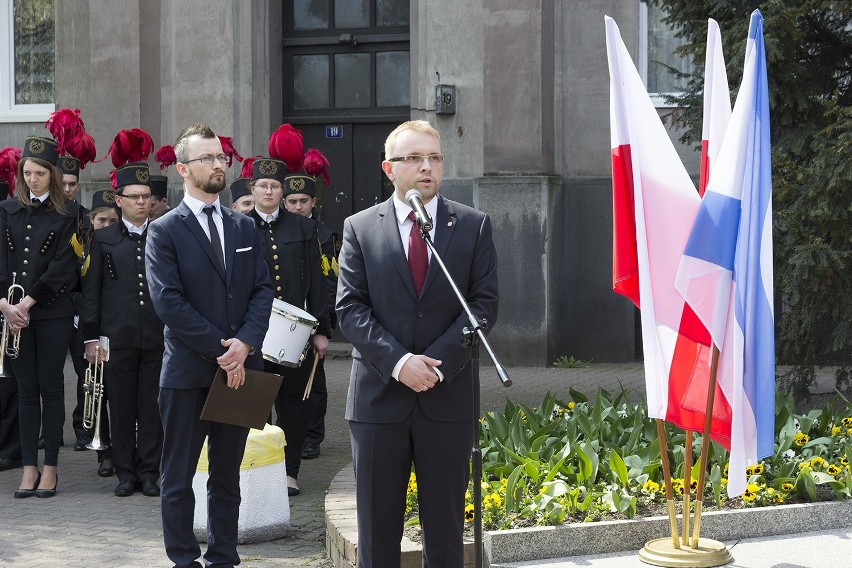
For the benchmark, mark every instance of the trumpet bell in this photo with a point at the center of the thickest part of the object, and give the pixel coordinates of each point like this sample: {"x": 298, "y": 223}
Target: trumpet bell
{"x": 96, "y": 444}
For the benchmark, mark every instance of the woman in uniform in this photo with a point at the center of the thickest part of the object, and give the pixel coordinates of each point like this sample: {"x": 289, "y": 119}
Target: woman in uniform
{"x": 36, "y": 226}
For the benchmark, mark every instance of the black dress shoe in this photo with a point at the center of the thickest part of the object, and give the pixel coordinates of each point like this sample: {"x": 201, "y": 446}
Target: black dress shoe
{"x": 47, "y": 493}
{"x": 6, "y": 463}
{"x": 310, "y": 450}
{"x": 106, "y": 468}
{"x": 125, "y": 488}
{"x": 24, "y": 493}
{"x": 150, "y": 488}
{"x": 81, "y": 443}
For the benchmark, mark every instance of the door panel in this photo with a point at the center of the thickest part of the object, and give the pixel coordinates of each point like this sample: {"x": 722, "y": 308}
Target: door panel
{"x": 357, "y": 180}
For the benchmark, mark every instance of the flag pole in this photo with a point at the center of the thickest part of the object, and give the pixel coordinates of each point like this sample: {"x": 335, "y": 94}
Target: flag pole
{"x": 664, "y": 458}
{"x": 668, "y": 551}
{"x": 687, "y": 485}
{"x": 705, "y": 445}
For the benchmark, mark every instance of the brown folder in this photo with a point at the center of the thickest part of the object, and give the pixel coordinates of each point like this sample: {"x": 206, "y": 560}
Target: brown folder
{"x": 247, "y": 406}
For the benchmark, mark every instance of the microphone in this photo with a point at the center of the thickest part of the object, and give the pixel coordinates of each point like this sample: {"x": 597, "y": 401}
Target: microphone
{"x": 414, "y": 199}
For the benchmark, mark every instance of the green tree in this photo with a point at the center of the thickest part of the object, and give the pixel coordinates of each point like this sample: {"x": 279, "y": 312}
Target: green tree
{"x": 809, "y": 61}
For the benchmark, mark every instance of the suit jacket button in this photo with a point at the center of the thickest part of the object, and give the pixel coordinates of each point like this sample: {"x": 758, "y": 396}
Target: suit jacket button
{"x": 233, "y": 328}
{"x": 230, "y": 296}
{"x": 419, "y": 313}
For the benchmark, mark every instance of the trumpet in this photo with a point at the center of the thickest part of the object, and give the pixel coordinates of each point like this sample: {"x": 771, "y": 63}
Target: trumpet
{"x": 93, "y": 389}
{"x": 7, "y": 335}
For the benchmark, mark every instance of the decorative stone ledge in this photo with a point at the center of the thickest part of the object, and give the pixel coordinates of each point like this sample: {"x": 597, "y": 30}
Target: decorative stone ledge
{"x": 580, "y": 539}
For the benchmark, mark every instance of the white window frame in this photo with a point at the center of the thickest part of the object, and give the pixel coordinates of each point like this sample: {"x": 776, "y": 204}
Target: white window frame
{"x": 9, "y": 111}
{"x": 659, "y": 99}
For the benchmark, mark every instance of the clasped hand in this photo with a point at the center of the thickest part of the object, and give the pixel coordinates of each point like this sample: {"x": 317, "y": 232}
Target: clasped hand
{"x": 233, "y": 360}
{"x": 418, "y": 373}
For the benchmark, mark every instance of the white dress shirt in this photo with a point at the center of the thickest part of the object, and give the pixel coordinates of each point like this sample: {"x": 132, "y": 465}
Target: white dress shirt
{"x": 197, "y": 207}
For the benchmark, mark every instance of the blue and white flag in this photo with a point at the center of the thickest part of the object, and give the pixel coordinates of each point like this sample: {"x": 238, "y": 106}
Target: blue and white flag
{"x": 725, "y": 274}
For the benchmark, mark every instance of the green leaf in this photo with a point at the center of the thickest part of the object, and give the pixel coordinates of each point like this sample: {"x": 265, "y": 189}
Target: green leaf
{"x": 616, "y": 464}
{"x": 577, "y": 396}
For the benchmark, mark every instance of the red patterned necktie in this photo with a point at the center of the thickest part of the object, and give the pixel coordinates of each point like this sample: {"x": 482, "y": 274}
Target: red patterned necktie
{"x": 418, "y": 259}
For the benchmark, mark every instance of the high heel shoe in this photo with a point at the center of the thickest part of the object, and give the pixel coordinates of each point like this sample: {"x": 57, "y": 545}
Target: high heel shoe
{"x": 46, "y": 493}
{"x": 24, "y": 493}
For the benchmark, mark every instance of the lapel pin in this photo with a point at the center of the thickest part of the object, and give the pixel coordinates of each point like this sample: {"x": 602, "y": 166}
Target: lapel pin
{"x": 449, "y": 223}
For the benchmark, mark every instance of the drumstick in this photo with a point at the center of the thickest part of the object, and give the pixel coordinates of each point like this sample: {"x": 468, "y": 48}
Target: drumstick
{"x": 311, "y": 378}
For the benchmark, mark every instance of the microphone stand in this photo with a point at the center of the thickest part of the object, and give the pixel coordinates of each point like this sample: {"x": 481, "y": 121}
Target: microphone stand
{"x": 472, "y": 337}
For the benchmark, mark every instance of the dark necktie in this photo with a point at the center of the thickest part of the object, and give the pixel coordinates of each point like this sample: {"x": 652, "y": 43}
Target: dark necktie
{"x": 214, "y": 235}
{"x": 418, "y": 259}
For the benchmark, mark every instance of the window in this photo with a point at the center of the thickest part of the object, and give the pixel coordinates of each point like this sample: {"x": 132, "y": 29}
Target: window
{"x": 657, "y": 43}
{"x": 27, "y": 55}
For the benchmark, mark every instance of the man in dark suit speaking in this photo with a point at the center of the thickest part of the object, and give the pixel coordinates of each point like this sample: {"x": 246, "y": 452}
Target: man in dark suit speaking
{"x": 410, "y": 397}
{"x": 210, "y": 285}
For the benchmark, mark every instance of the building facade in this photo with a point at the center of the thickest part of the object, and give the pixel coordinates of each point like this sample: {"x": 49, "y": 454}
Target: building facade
{"x": 523, "y": 115}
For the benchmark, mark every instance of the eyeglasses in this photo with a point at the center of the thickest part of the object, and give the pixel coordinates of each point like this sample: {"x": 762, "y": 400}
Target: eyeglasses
{"x": 136, "y": 196}
{"x": 414, "y": 159}
{"x": 207, "y": 159}
{"x": 265, "y": 187}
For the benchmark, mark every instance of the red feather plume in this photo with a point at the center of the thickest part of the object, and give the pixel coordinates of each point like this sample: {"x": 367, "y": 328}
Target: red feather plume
{"x": 286, "y": 144}
{"x": 229, "y": 150}
{"x": 166, "y": 156}
{"x": 113, "y": 182}
{"x": 66, "y": 126}
{"x": 9, "y": 158}
{"x": 248, "y": 167}
{"x": 83, "y": 148}
{"x": 316, "y": 164}
{"x": 134, "y": 145}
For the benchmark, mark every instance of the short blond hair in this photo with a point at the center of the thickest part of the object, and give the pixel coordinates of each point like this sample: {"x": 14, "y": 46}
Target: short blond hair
{"x": 416, "y": 125}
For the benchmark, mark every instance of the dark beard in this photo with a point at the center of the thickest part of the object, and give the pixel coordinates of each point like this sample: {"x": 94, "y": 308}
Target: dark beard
{"x": 210, "y": 186}
{"x": 213, "y": 187}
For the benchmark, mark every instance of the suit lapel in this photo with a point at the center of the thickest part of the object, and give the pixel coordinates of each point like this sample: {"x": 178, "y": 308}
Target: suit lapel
{"x": 445, "y": 224}
{"x": 389, "y": 228}
{"x": 194, "y": 227}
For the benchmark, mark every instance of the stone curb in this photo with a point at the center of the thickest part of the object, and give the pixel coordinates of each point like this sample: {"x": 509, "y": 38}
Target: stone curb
{"x": 581, "y": 539}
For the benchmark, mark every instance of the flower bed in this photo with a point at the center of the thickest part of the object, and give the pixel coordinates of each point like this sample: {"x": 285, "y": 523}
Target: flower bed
{"x": 591, "y": 460}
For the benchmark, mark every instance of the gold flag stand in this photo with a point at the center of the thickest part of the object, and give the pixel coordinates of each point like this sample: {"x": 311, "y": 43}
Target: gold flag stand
{"x": 685, "y": 550}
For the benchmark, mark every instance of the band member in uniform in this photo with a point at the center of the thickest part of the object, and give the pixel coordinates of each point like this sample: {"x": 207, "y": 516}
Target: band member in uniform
{"x": 70, "y": 167}
{"x": 293, "y": 255}
{"x": 10, "y": 434}
{"x": 410, "y": 396}
{"x": 210, "y": 285}
{"x": 103, "y": 213}
{"x": 301, "y": 200}
{"x": 159, "y": 196}
{"x": 242, "y": 200}
{"x": 117, "y": 305}
{"x": 35, "y": 249}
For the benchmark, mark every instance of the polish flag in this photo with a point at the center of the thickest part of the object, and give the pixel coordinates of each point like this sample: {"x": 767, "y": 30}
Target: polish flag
{"x": 654, "y": 205}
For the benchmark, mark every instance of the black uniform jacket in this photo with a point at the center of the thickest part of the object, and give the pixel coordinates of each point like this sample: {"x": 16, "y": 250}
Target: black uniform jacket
{"x": 294, "y": 260}
{"x": 35, "y": 243}
{"x": 116, "y": 302}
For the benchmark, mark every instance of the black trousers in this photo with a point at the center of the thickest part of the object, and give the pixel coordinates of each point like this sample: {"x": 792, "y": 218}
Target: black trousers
{"x": 10, "y": 432}
{"x": 291, "y": 411}
{"x": 77, "y": 352}
{"x": 184, "y": 436}
{"x": 132, "y": 379}
{"x": 41, "y": 386}
{"x": 382, "y": 456}
{"x": 317, "y": 406}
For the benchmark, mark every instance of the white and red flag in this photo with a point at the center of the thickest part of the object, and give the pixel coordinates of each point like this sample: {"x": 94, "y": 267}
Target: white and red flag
{"x": 654, "y": 206}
